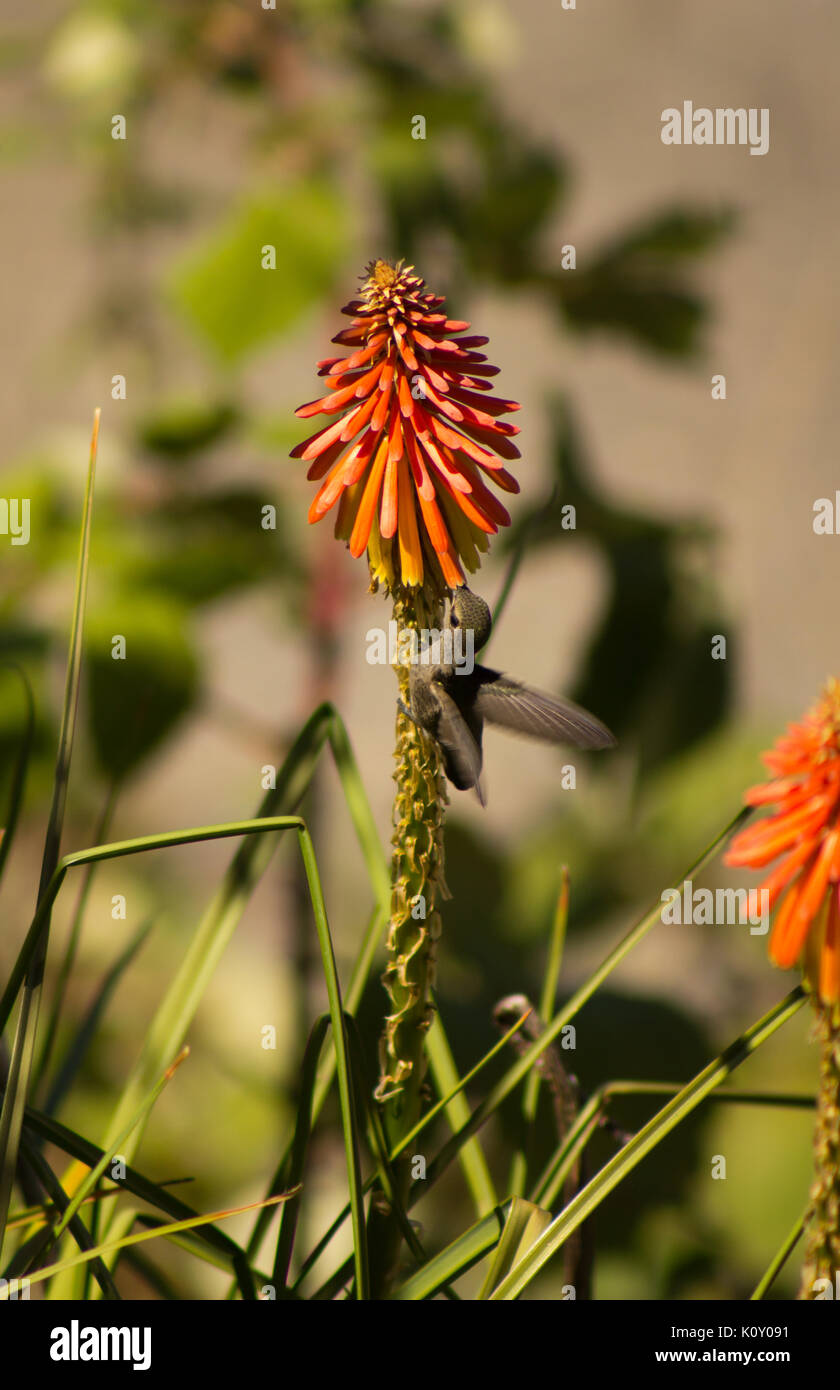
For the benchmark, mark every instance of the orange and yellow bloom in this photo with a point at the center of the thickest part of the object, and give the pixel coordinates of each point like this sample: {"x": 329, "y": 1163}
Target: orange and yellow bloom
{"x": 803, "y": 834}
{"x": 416, "y": 437}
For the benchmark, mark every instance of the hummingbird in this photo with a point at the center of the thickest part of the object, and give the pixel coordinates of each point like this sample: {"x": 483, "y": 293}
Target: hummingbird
{"x": 451, "y": 705}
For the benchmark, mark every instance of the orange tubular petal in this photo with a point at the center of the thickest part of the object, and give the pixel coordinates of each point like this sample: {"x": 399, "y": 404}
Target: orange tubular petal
{"x": 419, "y": 471}
{"x": 367, "y": 383}
{"x": 327, "y": 405}
{"x": 358, "y": 359}
{"x": 435, "y": 524}
{"x": 766, "y": 792}
{"x": 359, "y": 456}
{"x": 493, "y": 405}
{"x": 449, "y": 408}
{"x": 350, "y": 336}
{"x": 829, "y": 977}
{"x": 422, "y": 421}
{"x": 505, "y": 480}
{"x": 489, "y": 504}
{"x": 759, "y": 844}
{"x": 395, "y": 435}
{"x": 452, "y": 572}
{"x": 389, "y": 508}
{"x": 475, "y": 340}
{"x": 317, "y": 443}
{"x": 813, "y": 890}
{"x": 380, "y": 413}
{"x": 346, "y": 512}
{"x": 326, "y": 496}
{"x": 346, "y": 471}
{"x": 405, "y": 397}
{"x": 470, "y": 510}
{"x": 367, "y": 506}
{"x": 834, "y": 872}
{"x": 784, "y": 872}
{"x": 785, "y": 944}
{"x": 357, "y": 418}
{"x": 405, "y": 351}
{"x": 466, "y": 370}
{"x": 467, "y": 446}
{"x": 475, "y": 421}
{"x": 444, "y": 466}
{"x": 411, "y": 551}
{"x": 497, "y": 437}
{"x": 438, "y": 381}
{"x": 325, "y": 461}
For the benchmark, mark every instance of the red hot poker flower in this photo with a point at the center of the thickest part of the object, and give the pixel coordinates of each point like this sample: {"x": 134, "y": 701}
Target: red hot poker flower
{"x": 804, "y": 835}
{"x": 415, "y": 438}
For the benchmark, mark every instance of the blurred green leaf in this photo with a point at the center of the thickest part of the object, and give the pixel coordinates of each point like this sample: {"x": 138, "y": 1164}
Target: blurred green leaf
{"x": 673, "y": 233}
{"x": 207, "y": 544}
{"x": 184, "y": 427}
{"x": 135, "y": 702}
{"x": 648, "y": 670}
{"x": 221, "y": 287}
{"x": 633, "y": 288}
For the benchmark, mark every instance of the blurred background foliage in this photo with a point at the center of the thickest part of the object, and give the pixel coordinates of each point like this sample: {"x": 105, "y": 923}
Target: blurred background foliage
{"x": 318, "y": 99}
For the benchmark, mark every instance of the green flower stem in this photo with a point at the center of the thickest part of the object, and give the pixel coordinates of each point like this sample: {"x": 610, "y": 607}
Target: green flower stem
{"x": 417, "y": 883}
{"x": 822, "y": 1249}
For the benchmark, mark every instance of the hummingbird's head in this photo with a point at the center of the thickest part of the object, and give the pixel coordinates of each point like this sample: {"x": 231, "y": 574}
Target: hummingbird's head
{"x": 469, "y": 611}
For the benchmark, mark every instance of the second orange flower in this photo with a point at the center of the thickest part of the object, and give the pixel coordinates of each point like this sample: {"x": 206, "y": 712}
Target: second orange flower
{"x": 804, "y": 835}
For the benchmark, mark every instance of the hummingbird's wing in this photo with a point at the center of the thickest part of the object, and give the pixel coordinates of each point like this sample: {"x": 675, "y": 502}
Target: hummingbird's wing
{"x": 461, "y": 752}
{"x": 512, "y": 705}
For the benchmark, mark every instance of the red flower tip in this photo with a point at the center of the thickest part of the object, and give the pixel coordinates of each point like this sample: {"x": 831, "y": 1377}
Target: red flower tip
{"x": 416, "y": 437}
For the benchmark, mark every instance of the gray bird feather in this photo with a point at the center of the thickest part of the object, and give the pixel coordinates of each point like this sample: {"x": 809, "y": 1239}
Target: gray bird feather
{"x": 451, "y": 705}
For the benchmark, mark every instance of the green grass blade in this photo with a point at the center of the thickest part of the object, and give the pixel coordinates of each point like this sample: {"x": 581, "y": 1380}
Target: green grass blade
{"x": 78, "y": 1230}
{"x": 297, "y": 1158}
{"x": 525, "y": 1224}
{"x": 182, "y": 999}
{"x": 216, "y": 927}
{"x": 123, "y": 1242}
{"x": 81, "y": 1042}
{"x": 641, "y": 1144}
{"x": 23, "y": 1049}
{"x": 345, "y": 1083}
{"x": 326, "y": 1069}
{"x": 379, "y": 1144}
{"x": 520, "y": 1069}
{"x": 456, "y": 1259}
{"x": 447, "y": 1083}
{"x": 52, "y": 845}
{"x": 409, "y": 1138}
{"x": 68, "y": 960}
{"x": 18, "y": 782}
{"x": 359, "y": 808}
{"x": 550, "y": 1184}
{"x": 176, "y": 1012}
{"x": 326, "y": 725}
{"x": 91, "y": 1178}
{"x": 123, "y": 1225}
{"x": 785, "y": 1250}
{"x": 156, "y": 1194}
{"x": 548, "y": 997}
